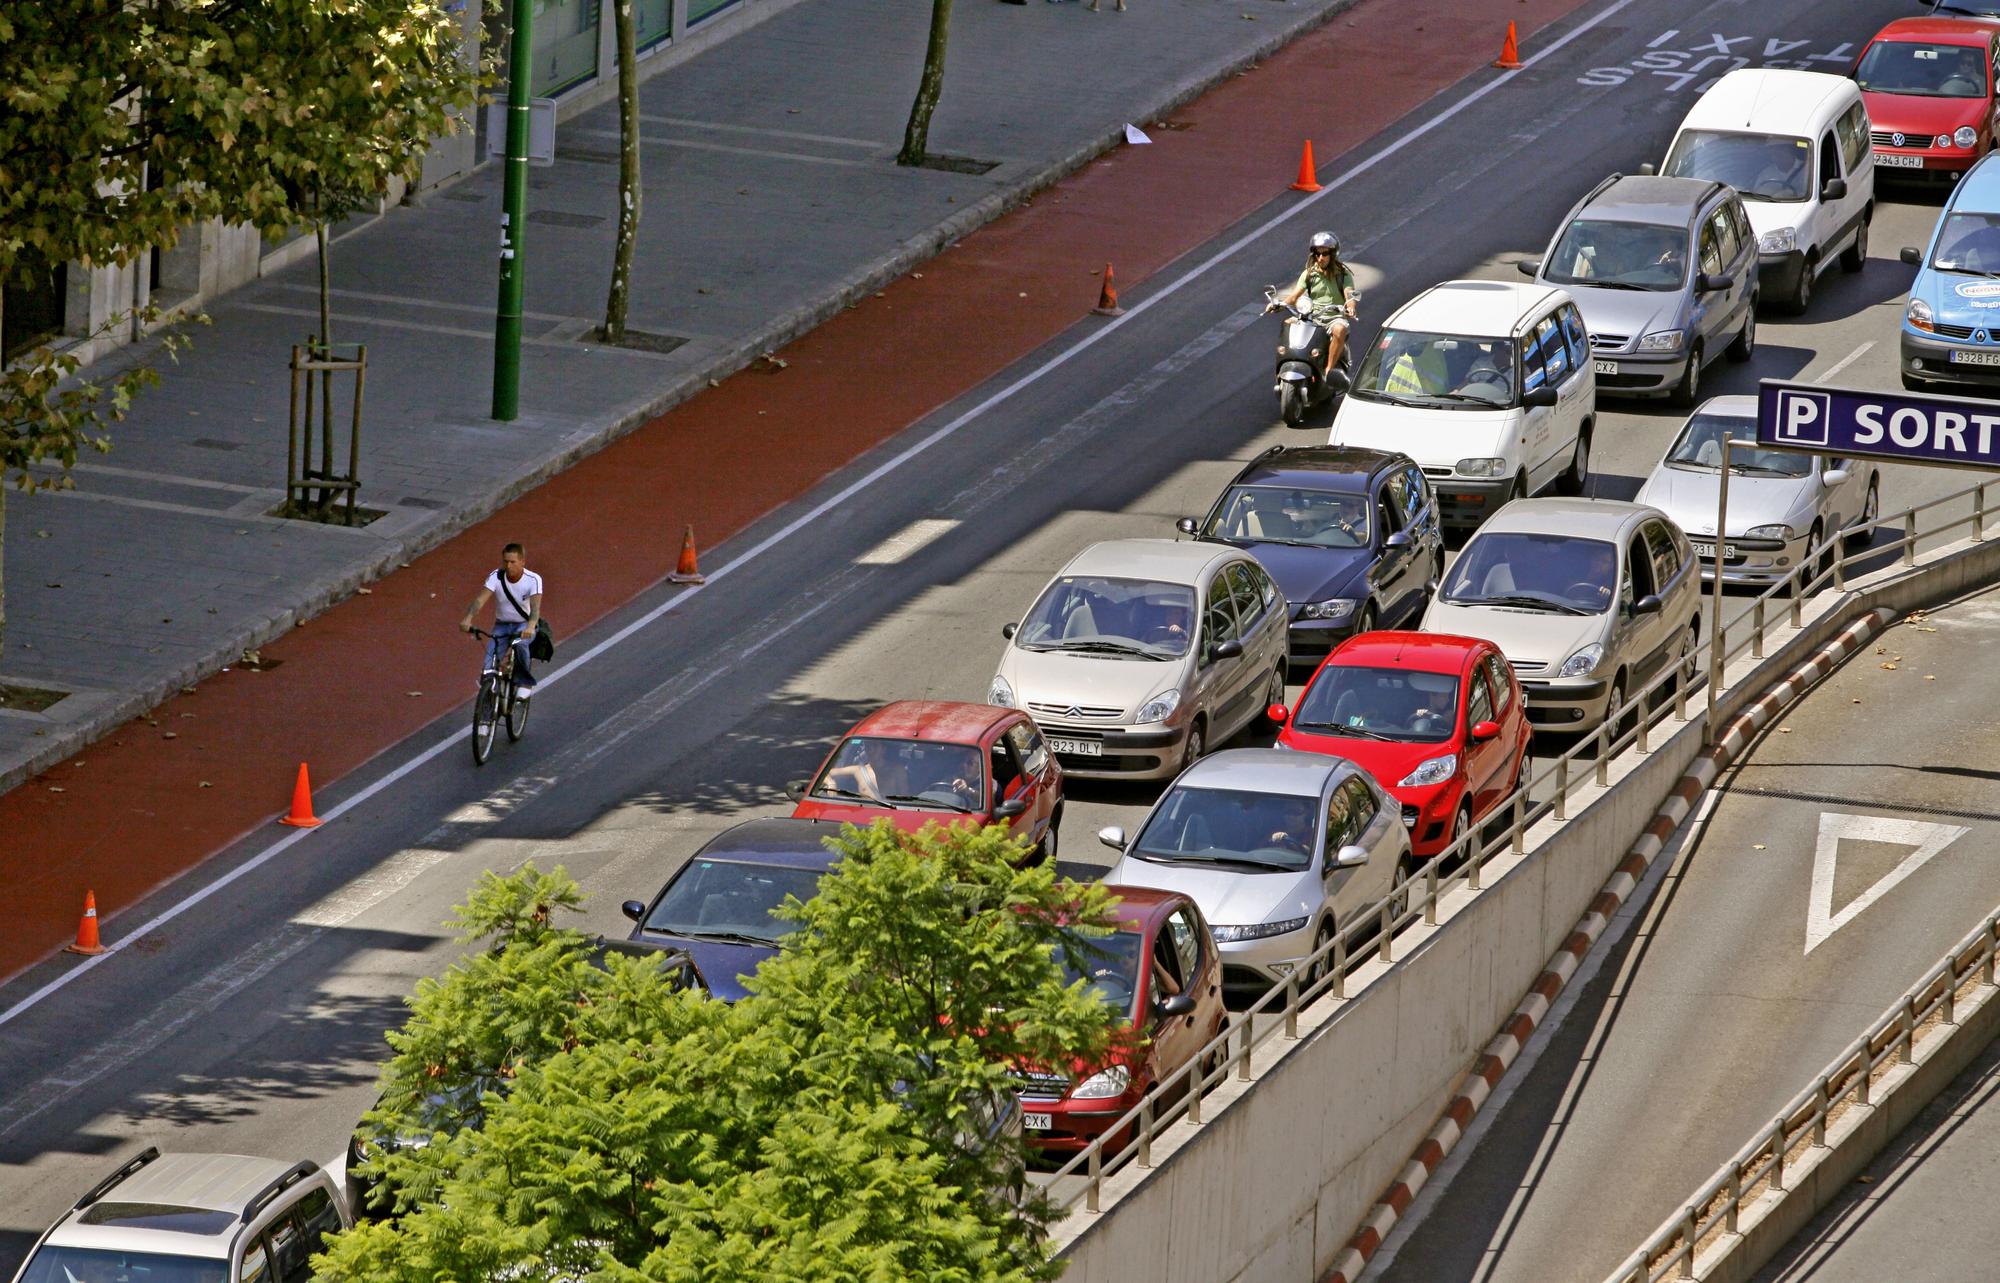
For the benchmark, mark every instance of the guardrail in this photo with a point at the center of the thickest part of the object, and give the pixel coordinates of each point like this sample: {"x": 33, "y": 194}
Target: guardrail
{"x": 1759, "y": 1168}
{"x": 1371, "y": 933}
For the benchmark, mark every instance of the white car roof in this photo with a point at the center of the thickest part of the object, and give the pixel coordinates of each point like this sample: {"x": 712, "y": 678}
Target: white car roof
{"x": 1769, "y": 100}
{"x": 1585, "y": 518}
{"x": 219, "y": 1185}
{"x": 1172, "y": 561}
{"x": 1265, "y": 770}
{"x": 1482, "y": 309}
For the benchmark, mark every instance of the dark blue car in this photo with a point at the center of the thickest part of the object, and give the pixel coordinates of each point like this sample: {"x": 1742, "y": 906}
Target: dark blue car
{"x": 718, "y": 905}
{"x": 1350, "y": 534}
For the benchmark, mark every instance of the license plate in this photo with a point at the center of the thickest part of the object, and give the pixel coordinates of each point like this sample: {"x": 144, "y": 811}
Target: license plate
{"x": 1974, "y": 358}
{"x": 1038, "y": 1122}
{"x": 1605, "y": 367}
{"x": 1899, "y": 162}
{"x": 1707, "y": 550}
{"x": 1077, "y": 748}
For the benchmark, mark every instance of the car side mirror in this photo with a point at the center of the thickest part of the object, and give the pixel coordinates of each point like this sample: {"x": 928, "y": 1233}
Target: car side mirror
{"x": 1649, "y": 169}
{"x": 1835, "y": 189}
{"x": 1278, "y": 713}
{"x": 1397, "y": 539}
{"x": 1351, "y": 856}
{"x": 1650, "y": 604}
{"x": 1485, "y": 730}
{"x": 1007, "y": 631}
{"x": 1187, "y": 526}
{"x": 1528, "y": 266}
{"x": 1912, "y": 255}
{"x": 1833, "y": 476}
{"x": 1708, "y": 284}
{"x": 1010, "y": 808}
{"x": 1226, "y": 649}
{"x": 1112, "y": 836}
{"x": 797, "y": 789}
{"x": 1179, "y": 1004}
{"x": 634, "y": 909}
{"x": 1541, "y": 398}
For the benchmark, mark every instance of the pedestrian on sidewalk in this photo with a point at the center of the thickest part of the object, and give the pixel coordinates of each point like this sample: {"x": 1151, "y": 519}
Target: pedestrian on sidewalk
{"x": 516, "y": 594}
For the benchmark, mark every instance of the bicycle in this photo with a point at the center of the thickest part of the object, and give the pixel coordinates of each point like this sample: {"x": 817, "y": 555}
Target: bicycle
{"x": 496, "y": 702}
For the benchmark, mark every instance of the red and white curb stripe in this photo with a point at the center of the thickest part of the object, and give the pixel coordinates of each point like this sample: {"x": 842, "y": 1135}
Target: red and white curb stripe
{"x": 1499, "y": 1054}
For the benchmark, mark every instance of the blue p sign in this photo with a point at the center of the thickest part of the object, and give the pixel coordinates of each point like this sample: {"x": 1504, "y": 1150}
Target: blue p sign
{"x": 1803, "y": 417}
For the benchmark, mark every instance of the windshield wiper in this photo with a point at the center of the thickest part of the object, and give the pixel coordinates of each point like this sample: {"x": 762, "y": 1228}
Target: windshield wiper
{"x": 720, "y": 937}
{"x": 837, "y": 791}
{"x": 1528, "y": 603}
{"x": 1110, "y": 648}
{"x": 1611, "y": 285}
{"x": 1963, "y": 271}
{"x": 1457, "y": 396}
{"x": 1759, "y": 468}
{"x": 1232, "y": 861}
{"x": 1338, "y": 728}
{"x": 929, "y": 801}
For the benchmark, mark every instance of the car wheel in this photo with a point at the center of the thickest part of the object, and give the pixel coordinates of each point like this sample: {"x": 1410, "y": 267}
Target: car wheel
{"x": 1745, "y": 345}
{"x": 1460, "y": 826}
{"x": 1613, "y": 717}
{"x": 1688, "y": 390}
{"x": 1366, "y": 623}
{"x": 1045, "y": 850}
{"x": 1319, "y": 970}
{"x": 1810, "y": 565}
{"x": 1802, "y": 293}
{"x": 1871, "y": 509}
{"x": 1855, "y": 256}
{"x": 1577, "y": 479}
{"x": 1196, "y": 744}
{"x": 1519, "y": 490}
{"x": 1399, "y": 900}
{"x": 1678, "y": 667}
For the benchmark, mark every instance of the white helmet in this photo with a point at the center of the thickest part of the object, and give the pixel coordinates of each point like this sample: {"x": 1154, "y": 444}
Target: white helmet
{"x": 1324, "y": 241}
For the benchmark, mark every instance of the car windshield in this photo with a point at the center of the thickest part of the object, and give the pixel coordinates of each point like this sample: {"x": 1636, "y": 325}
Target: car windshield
{"x": 1451, "y": 371}
{"x": 1394, "y": 703}
{"x": 903, "y": 773}
{"x": 1700, "y": 446}
{"x": 1282, "y": 514}
{"x": 1231, "y": 827}
{"x": 1563, "y": 574}
{"x": 1109, "y": 964}
{"x": 1615, "y": 255}
{"x": 1760, "y": 166}
{"x": 94, "y": 1265}
{"x": 1115, "y": 617}
{"x": 1920, "y": 69}
{"x": 731, "y": 899}
{"x": 1969, "y": 242}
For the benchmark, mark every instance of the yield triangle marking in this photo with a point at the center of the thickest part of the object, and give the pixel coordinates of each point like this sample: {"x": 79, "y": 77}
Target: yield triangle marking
{"x": 1926, "y": 839}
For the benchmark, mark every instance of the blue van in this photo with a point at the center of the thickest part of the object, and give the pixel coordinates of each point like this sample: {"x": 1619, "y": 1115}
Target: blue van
{"x": 1951, "y": 329}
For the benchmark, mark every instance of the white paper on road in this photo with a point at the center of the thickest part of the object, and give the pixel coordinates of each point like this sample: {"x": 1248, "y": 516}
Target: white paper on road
{"x": 1925, "y": 839}
{"x": 1135, "y": 135}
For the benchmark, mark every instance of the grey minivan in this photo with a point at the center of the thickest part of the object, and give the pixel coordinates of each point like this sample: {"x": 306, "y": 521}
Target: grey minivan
{"x": 1664, "y": 271}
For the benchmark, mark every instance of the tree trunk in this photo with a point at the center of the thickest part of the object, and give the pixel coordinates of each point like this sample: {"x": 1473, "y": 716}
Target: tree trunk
{"x": 628, "y": 173}
{"x": 3, "y": 565}
{"x": 325, "y": 383}
{"x": 917, "y": 136}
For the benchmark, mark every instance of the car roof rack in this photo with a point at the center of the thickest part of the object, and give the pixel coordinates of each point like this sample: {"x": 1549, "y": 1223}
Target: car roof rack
{"x": 104, "y": 1186}
{"x": 293, "y": 1175}
{"x": 1599, "y": 190}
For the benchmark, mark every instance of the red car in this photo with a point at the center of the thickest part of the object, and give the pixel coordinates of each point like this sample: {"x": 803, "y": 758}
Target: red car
{"x": 1438, "y": 720}
{"x": 917, "y": 762}
{"x": 1929, "y": 88}
{"x": 1160, "y": 971}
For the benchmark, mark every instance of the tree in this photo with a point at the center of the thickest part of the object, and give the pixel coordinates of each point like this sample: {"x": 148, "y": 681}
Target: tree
{"x": 814, "y": 1130}
{"x": 628, "y": 173}
{"x": 121, "y": 124}
{"x": 916, "y": 135}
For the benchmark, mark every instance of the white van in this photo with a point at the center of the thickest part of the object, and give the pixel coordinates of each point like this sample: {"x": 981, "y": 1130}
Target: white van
{"x": 1794, "y": 145}
{"x": 1487, "y": 385}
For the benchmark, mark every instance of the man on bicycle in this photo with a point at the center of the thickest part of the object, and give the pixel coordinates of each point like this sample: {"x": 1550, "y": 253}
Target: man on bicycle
{"x": 516, "y": 594}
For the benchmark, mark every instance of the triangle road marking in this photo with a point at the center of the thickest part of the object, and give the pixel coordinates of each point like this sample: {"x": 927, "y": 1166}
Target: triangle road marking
{"x": 1927, "y": 840}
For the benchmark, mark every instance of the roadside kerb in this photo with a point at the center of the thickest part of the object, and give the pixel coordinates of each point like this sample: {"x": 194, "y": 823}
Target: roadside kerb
{"x": 1805, "y": 1156}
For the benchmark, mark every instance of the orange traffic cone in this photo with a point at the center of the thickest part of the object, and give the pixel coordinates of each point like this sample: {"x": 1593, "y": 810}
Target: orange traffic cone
{"x": 86, "y": 930}
{"x": 688, "y": 571}
{"x": 1510, "y": 56}
{"x": 302, "y": 816}
{"x": 1308, "y": 179}
{"x": 1107, "y": 297}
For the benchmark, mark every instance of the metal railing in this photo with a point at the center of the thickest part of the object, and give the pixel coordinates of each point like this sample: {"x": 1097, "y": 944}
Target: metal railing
{"x": 1759, "y": 1168}
{"x": 1371, "y": 933}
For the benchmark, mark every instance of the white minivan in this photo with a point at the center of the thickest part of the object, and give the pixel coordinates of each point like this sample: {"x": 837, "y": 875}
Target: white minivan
{"x": 1488, "y": 385}
{"x": 1794, "y": 145}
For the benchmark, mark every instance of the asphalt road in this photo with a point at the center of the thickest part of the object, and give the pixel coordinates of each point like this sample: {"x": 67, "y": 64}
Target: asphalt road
{"x": 252, "y": 1020}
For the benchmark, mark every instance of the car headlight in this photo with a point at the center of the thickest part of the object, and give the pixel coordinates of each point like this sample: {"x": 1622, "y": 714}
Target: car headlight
{"x": 1580, "y": 664}
{"x": 1338, "y": 608}
{"x": 1435, "y": 771}
{"x": 1160, "y": 707}
{"x": 1782, "y": 241}
{"x": 1103, "y": 1083}
{"x": 1480, "y": 467}
{"x": 1772, "y": 532}
{"x": 1965, "y": 136}
{"x": 1661, "y": 341}
{"x": 1000, "y": 692}
{"x": 1919, "y": 316}
{"x": 1257, "y": 930}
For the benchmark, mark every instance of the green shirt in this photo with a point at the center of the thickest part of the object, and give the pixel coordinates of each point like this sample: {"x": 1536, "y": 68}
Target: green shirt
{"x": 1325, "y": 292}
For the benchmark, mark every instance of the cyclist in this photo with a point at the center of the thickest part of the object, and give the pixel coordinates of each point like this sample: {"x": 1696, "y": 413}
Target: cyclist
{"x": 516, "y": 593}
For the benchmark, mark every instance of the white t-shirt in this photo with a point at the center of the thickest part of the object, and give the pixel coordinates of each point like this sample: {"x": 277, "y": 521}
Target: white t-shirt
{"x": 525, "y": 587}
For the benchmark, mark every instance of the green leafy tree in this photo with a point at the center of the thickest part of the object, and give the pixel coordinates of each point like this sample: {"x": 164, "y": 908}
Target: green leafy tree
{"x": 828, "y": 1127}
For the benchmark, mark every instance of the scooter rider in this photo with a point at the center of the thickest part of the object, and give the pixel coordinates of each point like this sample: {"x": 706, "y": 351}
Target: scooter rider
{"x": 1328, "y": 287}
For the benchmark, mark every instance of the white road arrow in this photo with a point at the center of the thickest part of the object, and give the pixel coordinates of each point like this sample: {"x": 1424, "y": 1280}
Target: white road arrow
{"x": 1926, "y": 839}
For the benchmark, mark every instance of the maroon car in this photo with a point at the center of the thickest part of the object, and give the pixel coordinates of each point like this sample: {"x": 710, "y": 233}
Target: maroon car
{"x": 918, "y": 762}
{"x": 1159, "y": 971}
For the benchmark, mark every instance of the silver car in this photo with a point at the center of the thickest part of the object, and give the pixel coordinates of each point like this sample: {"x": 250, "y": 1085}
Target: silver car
{"x": 1142, "y": 653}
{"x": 1587, "y": 599}
{"x": 1782, "y": 503}
{"x": 1276, "y": 848}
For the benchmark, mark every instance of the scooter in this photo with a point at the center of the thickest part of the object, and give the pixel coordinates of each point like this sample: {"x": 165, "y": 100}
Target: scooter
{"x": 1302, "y": 358}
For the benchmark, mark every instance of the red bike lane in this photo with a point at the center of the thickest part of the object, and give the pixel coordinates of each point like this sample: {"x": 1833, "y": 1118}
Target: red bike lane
{"x": 165, "y": 791}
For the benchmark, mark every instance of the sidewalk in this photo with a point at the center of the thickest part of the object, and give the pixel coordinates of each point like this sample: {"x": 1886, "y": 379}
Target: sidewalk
{"x": 763, "y": 215}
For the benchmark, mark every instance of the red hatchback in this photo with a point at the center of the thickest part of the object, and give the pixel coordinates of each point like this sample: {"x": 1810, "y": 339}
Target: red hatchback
{"x": 1929, "y": 87}
{"x": 916, "y": 762}
{"x": 1160, "y": 972}
{"x": 1438, "y": 721}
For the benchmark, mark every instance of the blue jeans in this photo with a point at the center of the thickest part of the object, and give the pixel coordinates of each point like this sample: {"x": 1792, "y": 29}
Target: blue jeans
{"x": 505, "y": 633}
